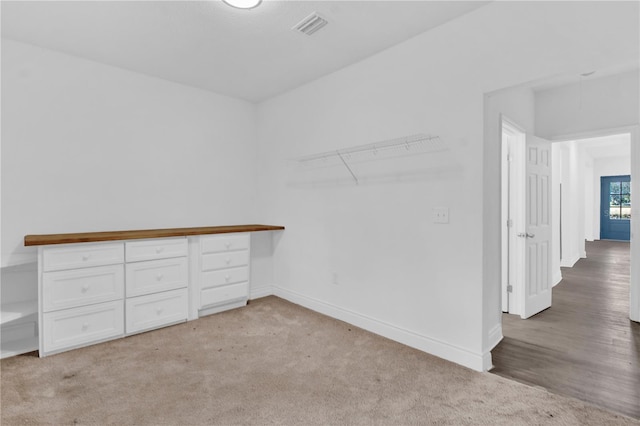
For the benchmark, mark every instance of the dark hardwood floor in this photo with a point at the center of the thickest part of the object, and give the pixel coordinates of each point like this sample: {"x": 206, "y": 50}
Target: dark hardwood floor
{"x": 584, "y": 346}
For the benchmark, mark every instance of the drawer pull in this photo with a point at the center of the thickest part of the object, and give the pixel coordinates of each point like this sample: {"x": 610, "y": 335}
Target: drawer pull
{"x": 159, "y": 311}
{"x": 159, "y": 277}
{"x": 85, "y": 326}
{"x": 159, "y": 249}
{"x": 85, "y": 257}
{"x": 227, "y": 277}
{"x": 227, "y": 244}
{"x": 227, "y": 261}
{"x": 85, "y": 288}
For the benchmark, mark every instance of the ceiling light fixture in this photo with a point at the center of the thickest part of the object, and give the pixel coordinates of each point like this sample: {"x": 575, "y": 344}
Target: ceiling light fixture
{"x": 243, "y": 4}
{"x": 310, "y": 24}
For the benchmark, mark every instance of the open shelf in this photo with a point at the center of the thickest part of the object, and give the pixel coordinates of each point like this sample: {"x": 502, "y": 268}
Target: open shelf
{"x": 19, "y": 328}
{"x": 14, "y": 311}
{"x": 18, "y": 347}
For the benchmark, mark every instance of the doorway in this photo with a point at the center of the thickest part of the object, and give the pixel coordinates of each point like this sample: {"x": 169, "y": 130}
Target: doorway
{"x": 525, "y": 103}
{"x": 577, "y": 194}
{"x": 556, "y": 348}
{"x": 615, "y": 208}
{"x": 586, "y": 199}
{"x": 526, "y": 221}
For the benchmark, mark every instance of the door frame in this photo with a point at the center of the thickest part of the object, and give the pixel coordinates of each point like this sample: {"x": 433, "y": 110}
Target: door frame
{"x": 513, "y": 214}
{"x": 605, "y": 196}
{"x": 634, "y": 133}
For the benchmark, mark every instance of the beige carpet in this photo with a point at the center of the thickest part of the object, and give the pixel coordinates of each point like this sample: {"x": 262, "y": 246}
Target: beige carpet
{"x": 270, "y": 363}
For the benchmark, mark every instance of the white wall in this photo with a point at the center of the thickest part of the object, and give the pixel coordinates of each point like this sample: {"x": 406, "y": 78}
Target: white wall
{"x": 571, "y": 177}
{"x": 591, "y": 212}
{"x": 611, "y": 166}
{"x": 431, "y": 286}
{"x": 634, "y": 293}
{"x": 595, "y": 104}
{"x": 556, "y": 180}
{"x": 89, "y": 147}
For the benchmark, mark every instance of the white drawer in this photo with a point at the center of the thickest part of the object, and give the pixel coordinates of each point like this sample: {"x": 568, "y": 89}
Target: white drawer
{"x": 228, "y": 293}
{"x": 231, "y": 259}
{"x": 224, "y": 277}
{"x": 156, "y": 249}
{"x": 156, "y": 310}
{"x": 79, "y": 287}
{"x": 82, "y": 256}
{"x": 80, "y": 326}
{"x": 218, "y": 243}
{"x": 156, "y": 275}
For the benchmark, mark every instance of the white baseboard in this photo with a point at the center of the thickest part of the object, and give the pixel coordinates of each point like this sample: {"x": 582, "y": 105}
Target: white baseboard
{"x": 495, "y": 336}
{"x": 634, "y": 314}
{"x": 465, "y": 357}
{"x": 487, "y": 362}
{"x": 557, "y": 277}
{"x": 263, "y": 291}
{"x": 221, "y": 308}
{"x": 569, "y": 262}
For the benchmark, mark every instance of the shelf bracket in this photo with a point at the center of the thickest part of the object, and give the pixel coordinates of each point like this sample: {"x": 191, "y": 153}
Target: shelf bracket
{"x": 347, "y": 166}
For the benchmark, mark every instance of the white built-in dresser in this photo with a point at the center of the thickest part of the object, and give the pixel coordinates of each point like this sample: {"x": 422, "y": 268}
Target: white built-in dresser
{"x": 99, "y": 286}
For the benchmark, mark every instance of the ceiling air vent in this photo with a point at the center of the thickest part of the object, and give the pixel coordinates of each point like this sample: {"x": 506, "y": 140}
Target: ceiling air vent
{"x": 310, "y": 24}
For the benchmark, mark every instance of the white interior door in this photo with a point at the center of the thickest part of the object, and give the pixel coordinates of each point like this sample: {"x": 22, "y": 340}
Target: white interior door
{"x": 537, "y": 292}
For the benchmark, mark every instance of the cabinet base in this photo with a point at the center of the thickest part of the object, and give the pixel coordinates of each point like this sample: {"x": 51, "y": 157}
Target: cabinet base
{"x": 221, "y": 308}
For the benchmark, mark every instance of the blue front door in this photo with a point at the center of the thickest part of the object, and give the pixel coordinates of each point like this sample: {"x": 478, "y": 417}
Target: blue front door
{"x": 615, "y": 208}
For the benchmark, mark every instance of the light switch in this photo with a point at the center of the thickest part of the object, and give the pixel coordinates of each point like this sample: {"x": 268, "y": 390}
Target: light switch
{"x": 440, "y": 215}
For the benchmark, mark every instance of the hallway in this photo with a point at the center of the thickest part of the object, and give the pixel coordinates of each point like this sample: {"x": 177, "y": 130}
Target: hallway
{"x": 584, "y": 346}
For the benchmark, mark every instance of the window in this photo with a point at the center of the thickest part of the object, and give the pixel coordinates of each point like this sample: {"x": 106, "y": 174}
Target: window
{"x": 620, "y": 200}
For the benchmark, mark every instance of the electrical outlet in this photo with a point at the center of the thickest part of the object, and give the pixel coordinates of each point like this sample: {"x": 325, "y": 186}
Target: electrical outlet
{"x": 440, "y": 215}
{"x": 334, "y": 278}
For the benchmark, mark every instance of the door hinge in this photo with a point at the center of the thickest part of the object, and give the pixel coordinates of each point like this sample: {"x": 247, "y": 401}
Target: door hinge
{"x": 509, "y": 289}
{"x": 509, "y": 223}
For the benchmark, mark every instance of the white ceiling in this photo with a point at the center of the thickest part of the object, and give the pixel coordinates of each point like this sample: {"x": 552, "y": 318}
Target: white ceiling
{"x": 587, "y": 75}
{"x": 249, "y": 54}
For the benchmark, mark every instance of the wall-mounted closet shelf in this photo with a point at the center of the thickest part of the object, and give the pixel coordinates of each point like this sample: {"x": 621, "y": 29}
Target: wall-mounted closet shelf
{"x": 394, "y": 148}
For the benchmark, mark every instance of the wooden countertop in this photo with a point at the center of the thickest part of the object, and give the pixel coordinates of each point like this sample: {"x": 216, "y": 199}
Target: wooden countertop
{"x": 90, "y": 237}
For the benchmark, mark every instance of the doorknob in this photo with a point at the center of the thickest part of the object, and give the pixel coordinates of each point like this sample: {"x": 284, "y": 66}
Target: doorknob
{"x": 527, "y": 235}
